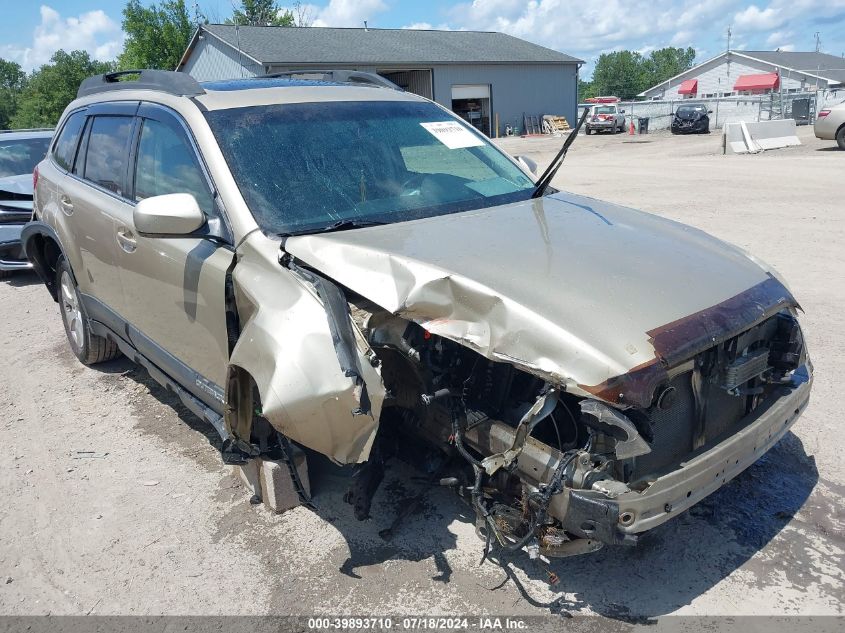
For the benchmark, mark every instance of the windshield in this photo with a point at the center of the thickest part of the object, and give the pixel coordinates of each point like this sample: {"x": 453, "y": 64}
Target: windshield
{"x": 604, "y": 110}
{"x": 686, "y": 109}
{"x": 307, "y": 166}
{"x": 22, "y": 155}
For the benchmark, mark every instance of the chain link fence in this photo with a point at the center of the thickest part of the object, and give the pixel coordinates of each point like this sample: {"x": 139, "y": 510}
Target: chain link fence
{"x": 801, "y": 106}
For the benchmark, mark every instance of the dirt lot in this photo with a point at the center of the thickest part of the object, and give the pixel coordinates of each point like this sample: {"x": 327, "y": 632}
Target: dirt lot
{"x": 158, "y": 525}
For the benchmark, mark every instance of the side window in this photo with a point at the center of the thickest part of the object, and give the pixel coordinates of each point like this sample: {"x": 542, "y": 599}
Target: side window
{"x": 65, "y": 148}
{"x": 108, "y": 149}
{"x": 79, "y": 165}
{"x": 168, "y": 164}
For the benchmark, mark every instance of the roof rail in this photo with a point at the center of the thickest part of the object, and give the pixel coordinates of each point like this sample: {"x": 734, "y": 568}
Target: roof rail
{"x": 340, "y": 76}
{"x": 181, "y": 84}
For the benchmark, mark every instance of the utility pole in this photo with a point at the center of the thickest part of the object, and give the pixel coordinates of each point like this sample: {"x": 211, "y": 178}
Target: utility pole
{"x": 817, "y": 35}
{"x": 728, "y": 50}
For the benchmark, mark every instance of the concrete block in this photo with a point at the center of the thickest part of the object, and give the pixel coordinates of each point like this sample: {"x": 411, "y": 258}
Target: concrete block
{"x": 277, "y": 489}
{"x": 250, "y": 477}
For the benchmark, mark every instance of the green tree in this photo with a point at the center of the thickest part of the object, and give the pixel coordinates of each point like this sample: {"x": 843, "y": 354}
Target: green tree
{"x": 156, "y": 36}
{"x": 12, "y": 82}
{"x": 52, "y": 87}
{"x": 261, "y": 13}
{"x": 665, "y": 63}
{"x": 621, "y": 74}
{"x": 585, "y": 90}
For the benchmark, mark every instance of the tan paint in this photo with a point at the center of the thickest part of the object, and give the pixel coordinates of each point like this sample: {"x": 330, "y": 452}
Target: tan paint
{"x": 286, "y": 346}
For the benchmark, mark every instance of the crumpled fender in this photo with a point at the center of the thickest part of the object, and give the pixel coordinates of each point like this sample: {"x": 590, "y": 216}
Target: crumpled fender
{"x": 286, "y": 345}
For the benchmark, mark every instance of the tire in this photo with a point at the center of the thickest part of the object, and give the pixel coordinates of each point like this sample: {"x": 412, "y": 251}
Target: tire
{"x": 587, "y": 131}
{"x": 5, "y": 274}
{"x": 840, "y": 137}
{"x": 89, "y": 348}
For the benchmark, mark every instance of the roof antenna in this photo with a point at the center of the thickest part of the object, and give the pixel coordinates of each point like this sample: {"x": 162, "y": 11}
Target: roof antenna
{"x": 365, "y": 25}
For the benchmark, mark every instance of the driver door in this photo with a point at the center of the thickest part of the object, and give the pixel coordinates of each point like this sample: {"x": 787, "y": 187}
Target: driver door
{"x": 174, "y": 287}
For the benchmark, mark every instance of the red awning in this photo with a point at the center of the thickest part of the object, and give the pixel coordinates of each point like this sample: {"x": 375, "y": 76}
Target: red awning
{"x": 766, "y": 81}
{"x": 688, "y": 87}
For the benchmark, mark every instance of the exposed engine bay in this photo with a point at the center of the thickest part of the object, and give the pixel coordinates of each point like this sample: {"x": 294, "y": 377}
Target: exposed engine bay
{"x": 520, "y": 449}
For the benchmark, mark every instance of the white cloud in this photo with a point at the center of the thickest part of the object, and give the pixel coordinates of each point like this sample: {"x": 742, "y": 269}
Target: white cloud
{"x": 753, "y": 18}
{"x": 586, "y": 29}
{"x": 93, "y": 31}
{"x": 348, "y": 12}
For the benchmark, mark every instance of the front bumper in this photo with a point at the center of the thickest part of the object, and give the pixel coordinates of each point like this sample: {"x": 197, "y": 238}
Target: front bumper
{"x": 618, "y": 520}
{"x": 601, "y": 125}
{"x": 12, "y": 256}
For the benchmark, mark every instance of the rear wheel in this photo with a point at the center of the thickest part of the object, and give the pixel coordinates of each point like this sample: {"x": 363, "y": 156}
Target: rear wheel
{"x": 89, "y": 348}
{"x": 840, "y": 137}
{"x": 5, "y": 274}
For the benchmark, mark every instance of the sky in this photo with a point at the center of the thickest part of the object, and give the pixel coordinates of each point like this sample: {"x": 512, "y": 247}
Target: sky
{"x": 31, "y": 30}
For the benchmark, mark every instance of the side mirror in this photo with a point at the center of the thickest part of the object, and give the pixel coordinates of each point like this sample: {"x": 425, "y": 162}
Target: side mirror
{"x": 622, "y": 112}
{"x": 169, "y": 214}
{"x": 710, "y": 112}
{"x": 529, "y": 164}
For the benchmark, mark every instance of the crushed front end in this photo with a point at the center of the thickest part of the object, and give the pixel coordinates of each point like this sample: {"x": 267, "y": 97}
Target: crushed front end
{"x": 560, "y": 470}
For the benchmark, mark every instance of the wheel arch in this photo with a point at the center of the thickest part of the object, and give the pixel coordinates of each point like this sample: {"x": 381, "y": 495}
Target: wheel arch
{"x": 43, "y": 248}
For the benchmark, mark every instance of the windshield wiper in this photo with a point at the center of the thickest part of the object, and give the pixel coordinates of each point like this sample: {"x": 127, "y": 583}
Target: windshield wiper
{"x": 340, "y": 225}
{"x": 546, "y": 178}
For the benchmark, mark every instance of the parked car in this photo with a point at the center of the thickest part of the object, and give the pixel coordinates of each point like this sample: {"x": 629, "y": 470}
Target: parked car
{"x": 830, "y": 124}
{"x": 20, "y": 151}
{"x": 691, "y": 119}
{"x": 605, "y": 118}
{"x": 352, "y": 268}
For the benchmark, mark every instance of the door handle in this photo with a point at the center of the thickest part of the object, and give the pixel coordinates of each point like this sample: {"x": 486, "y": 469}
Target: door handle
{"x": 66, "y": 204}
{"x": 126, "y": 240}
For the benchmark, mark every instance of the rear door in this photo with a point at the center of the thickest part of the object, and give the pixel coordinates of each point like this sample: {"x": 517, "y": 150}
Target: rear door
{"x": 92, "y": 196}
{"x": 174, "y": 287}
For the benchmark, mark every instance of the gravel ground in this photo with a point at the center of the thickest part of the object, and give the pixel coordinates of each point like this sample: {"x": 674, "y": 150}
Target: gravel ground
{"x": 155, "y": 524}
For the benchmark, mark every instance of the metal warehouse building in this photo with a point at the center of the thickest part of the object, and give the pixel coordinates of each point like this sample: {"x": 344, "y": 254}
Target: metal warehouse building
{"x": 487, "y": 78}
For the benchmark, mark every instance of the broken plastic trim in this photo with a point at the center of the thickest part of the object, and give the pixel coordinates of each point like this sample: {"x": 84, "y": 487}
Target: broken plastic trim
{"x": 542, "y": 407}
{"x": 633, "y": 445}
{"x": 342, "y": 332}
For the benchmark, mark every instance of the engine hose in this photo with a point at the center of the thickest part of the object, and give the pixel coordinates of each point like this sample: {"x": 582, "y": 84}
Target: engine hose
{"x": 457, "y": 433}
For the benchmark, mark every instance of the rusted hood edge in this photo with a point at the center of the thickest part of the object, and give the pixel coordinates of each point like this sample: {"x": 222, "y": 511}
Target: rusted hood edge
{"x": 683, "y": 338}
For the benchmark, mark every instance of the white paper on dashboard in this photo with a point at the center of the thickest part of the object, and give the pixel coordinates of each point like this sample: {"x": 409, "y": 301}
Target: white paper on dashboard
{"x": 452, "y": 134}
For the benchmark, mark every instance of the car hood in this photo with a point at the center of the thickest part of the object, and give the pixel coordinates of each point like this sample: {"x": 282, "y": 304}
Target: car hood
{"x": 18, "y": 185}
{"x": 572, "y": 289}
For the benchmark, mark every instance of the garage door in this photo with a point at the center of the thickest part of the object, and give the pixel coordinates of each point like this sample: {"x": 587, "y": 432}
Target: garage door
{"x": 481, "y": 91}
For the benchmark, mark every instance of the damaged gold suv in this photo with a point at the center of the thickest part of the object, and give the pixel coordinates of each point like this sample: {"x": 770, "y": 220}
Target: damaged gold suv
{"x": 330, "y": 261}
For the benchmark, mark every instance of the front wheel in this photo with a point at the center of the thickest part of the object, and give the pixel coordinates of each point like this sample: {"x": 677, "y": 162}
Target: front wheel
{"x": 89, "y": 348}
{"x": 587, "y": 131}
{"x": 840, "y": 137}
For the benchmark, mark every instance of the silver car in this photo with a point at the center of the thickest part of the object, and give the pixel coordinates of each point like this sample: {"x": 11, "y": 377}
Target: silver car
{"x": 830, "y": 124}
{"x": 20, "y": 151}
{"x": 605, "y": 118}
{"x": 342, "y": 265}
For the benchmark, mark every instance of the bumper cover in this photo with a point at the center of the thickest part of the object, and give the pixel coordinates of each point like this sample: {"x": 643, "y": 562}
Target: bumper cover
{"x": 619, "y": 520}
{"x": 11, "y": 250}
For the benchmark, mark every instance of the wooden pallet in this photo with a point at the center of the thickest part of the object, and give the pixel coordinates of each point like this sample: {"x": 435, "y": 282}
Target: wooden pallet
{"x": 555, "y": 124}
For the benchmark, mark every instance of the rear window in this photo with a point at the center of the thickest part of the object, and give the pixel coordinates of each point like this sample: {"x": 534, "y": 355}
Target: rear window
{"x": 108, "y": 149}
{"x": 22, "y": 155}
{"x": 65, "y": 148}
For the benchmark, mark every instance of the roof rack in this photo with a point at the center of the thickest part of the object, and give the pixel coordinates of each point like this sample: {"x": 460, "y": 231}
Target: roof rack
{"x": 340, "y": 76}
{"x": 181, "y": 84}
